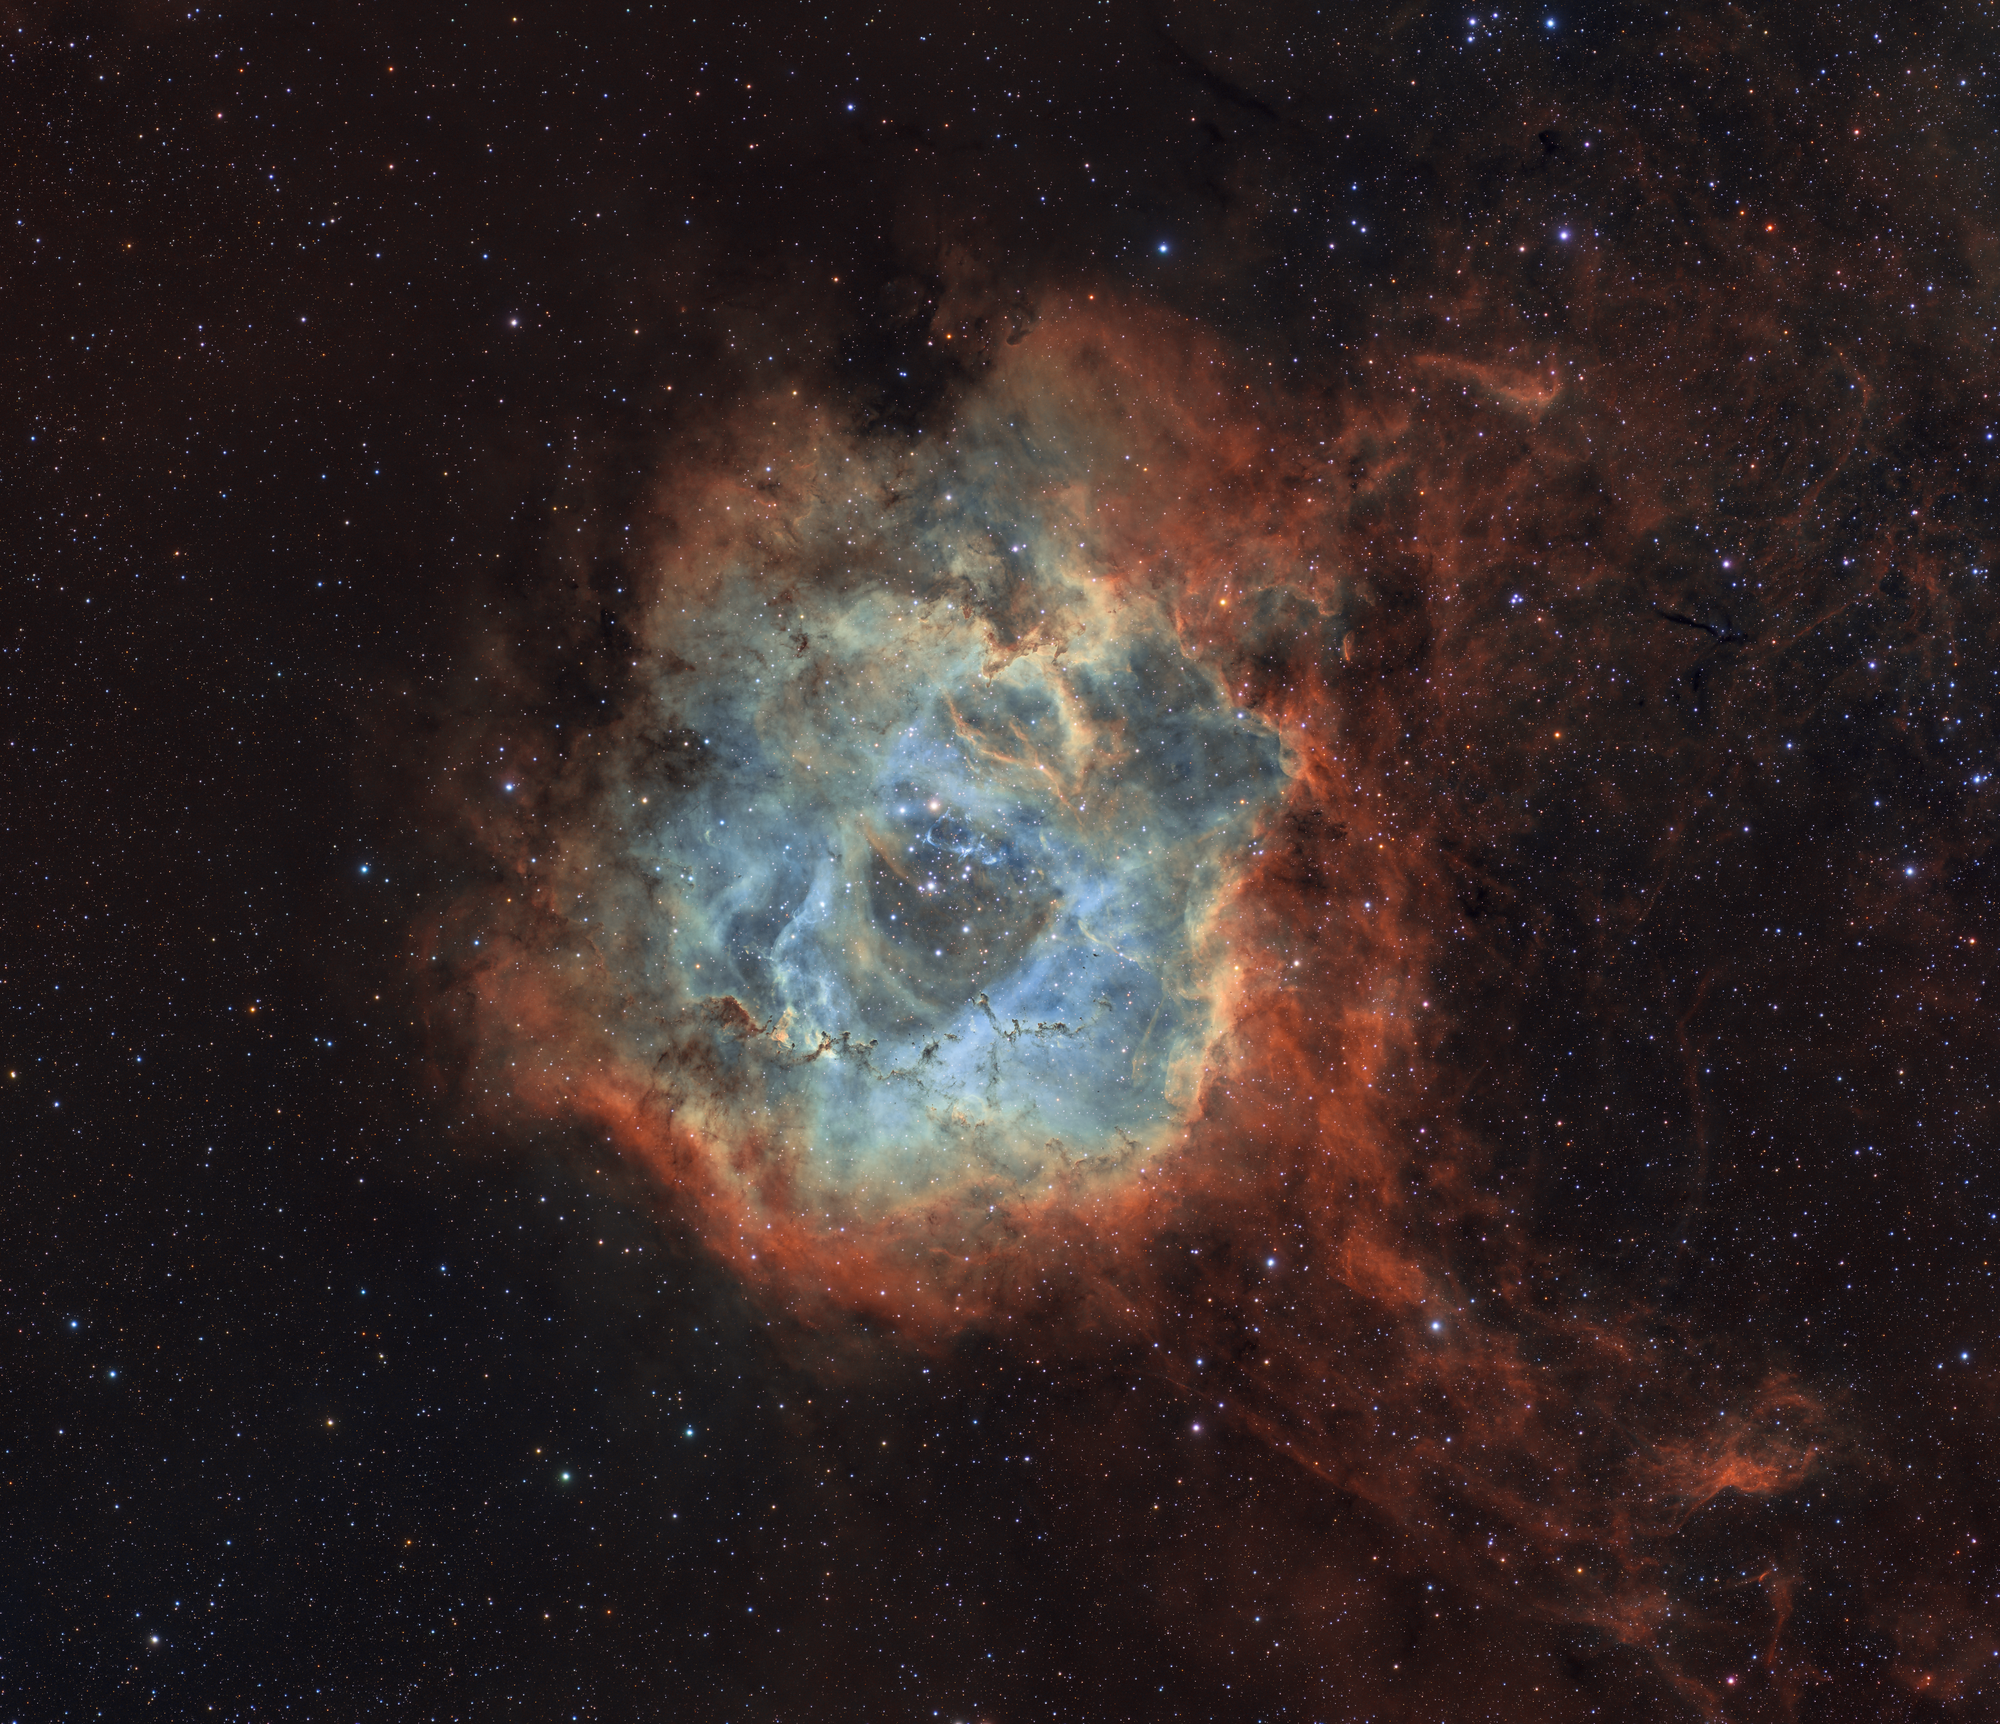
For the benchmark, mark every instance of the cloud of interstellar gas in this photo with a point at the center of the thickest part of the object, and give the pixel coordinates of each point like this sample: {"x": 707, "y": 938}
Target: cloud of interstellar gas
{"x": 1014, "y": 851}
{"x": 1144, "y": 852}
{"x": 919, "y": 853}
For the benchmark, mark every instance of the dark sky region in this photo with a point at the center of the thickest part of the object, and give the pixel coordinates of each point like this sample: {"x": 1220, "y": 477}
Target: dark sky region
{"x": 1105, "y": 863}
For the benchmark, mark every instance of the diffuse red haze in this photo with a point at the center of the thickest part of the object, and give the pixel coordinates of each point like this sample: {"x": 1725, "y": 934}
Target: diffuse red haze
{"x": 1510, "y": 608}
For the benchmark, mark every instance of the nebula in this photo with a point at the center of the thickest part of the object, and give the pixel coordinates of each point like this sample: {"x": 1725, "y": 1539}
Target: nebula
{"x": 1124, "y": 864}
{"x": 1006, "y": 864}
{"x": 914, "y": 893}
{"x": 1145, "y": 857}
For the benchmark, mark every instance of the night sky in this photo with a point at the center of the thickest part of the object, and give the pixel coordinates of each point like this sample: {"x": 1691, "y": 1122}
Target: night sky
{"x": 1123, "y": 863}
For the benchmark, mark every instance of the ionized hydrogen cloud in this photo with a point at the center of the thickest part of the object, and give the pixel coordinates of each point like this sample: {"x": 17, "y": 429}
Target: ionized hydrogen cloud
{"x": 1068, "y": 872}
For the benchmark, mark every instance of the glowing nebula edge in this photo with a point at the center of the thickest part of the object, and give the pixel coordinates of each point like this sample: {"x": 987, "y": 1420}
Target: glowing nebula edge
{"x": 1020, "y": 881}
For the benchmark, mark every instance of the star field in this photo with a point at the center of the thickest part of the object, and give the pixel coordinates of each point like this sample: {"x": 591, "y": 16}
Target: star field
{"x": 1109, "y": 864}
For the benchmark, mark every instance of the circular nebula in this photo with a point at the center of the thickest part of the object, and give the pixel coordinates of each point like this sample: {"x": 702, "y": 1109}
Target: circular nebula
{"x": 902, "y": 909}
{"x": 1084, "y": 869}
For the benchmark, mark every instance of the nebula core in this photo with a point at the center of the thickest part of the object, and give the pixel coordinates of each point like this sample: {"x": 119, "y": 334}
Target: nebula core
{"x": 913, "y": 889}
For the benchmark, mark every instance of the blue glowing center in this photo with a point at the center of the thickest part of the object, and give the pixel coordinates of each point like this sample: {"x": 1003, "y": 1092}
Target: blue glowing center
{"x": 926, "y": 906}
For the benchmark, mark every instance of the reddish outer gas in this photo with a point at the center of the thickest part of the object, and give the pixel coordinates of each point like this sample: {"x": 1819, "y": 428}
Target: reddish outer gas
{"x": 1482, "y": 507}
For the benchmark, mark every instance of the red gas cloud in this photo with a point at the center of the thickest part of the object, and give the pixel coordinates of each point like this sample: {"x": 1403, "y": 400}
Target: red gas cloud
{"x": 1468, "y": 584}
